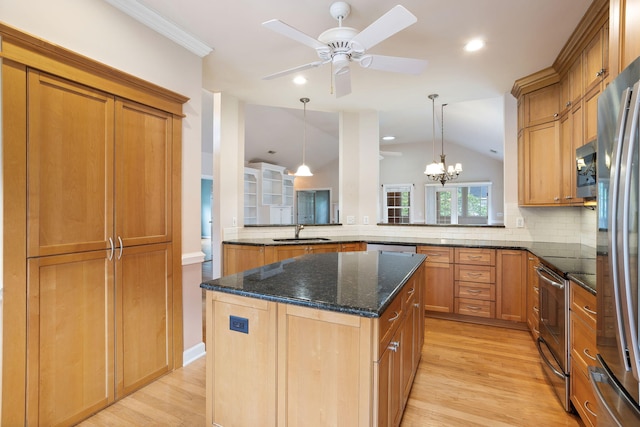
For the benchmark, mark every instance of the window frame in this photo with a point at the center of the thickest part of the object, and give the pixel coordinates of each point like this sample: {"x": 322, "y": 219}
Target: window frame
{"x": 392, "y": 188}
{"x": 430, "y": 190}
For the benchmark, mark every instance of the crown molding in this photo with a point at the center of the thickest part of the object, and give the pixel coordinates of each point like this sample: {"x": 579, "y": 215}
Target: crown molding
{"x": 160, "y": 24}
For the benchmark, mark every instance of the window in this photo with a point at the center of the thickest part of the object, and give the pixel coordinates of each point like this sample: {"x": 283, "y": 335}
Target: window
{"x": 313, "y": 206}
{"x": 397, "y": 202}
{"x": 459, "y": 203}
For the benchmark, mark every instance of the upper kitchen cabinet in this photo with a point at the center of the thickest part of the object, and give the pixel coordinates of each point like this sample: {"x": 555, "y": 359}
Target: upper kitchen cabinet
{"x": 557, "y": 113}
{"x": 624, "y": 37}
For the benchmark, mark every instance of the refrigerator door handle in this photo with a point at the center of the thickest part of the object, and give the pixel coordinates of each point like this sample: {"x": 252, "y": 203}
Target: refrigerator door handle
{"x": 614, "y": 249}
{"x": 629, "y": 311}
{"x": 614, "y": 406}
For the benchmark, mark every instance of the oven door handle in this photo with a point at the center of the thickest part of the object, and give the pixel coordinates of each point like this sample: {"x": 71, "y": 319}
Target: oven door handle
{"x": 559, "y": 374}
{"x": 540, "y": 272}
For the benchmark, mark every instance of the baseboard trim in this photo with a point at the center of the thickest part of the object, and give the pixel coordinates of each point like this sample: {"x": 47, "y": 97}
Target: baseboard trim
{"x": 194, "y": 353}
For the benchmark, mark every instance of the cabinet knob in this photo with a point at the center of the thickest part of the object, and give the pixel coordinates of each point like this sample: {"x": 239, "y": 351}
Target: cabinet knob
{"x": 568, "y": 104}
{"x": 569, "y": 197}
{"x": 393, "y": 345}
{"x": 600, "y": 72}
{"x": 556, "y": 115}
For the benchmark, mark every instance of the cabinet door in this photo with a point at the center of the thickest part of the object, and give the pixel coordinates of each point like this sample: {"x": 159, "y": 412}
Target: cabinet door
{"x": 237, "y": 258}
{"x": 630, "y": 37}
{"x": 542, "y": 105}
{"x": 143, "y": 174}
{"x": 69, "y": 167}
{"x": 595, "y": 59}
{"x": 390, "y": 384}
{"x": 542, "y": 164}
{"x": 70, "y": 372}
{"x": 143, "y": 311}
{"x": 438, "y": 284}
{"x": 511, "y": 287}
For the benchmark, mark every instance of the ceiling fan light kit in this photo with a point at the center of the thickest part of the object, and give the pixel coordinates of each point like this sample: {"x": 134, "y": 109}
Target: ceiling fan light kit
{"x": 439, "y": 171}
{"x": 342, "y": 45}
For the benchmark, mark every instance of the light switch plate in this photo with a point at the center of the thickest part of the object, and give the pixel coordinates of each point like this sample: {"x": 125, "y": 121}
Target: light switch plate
{"x": 520, "y": 222}
{"x": 351, "y": 219}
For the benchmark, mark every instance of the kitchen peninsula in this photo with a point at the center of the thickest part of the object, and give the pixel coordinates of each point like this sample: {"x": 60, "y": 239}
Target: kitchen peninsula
{"x": 321, "y": 339}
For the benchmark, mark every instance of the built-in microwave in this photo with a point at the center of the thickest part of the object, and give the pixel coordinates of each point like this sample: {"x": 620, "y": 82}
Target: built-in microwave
{"x": 586, "y": 170}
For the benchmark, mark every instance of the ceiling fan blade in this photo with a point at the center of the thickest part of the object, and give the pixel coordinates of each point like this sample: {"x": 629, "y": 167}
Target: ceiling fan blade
{"x": 342, "y": 82}
{"x": 394, "y": 64}
{"x": 293, "y": 70}
{"x": 395, "y": 20}
{"x": 293, "y": 33}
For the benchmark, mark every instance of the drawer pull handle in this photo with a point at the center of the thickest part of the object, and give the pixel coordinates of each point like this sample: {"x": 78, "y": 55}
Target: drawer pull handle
{"x": 536, "y": 309}
{"x": 394, "y": 317}
{"x": 586, "y": 353}
{"x": 474, "y": 256}
{"x": 411, "y": 291}
{"x": 586, "y": 406}
{"x": 474, "y": 274}
{"x": 588, "y": 310}
{"x": 536, "y": 331}
{"x": 474, "y": 308}
{"x": 474, "y": 291}
{"x": 430, "y": 254}
{"x": 535, "y": 288}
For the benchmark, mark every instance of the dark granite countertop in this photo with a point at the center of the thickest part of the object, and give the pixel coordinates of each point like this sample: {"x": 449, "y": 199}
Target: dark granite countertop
{"x": 360, "y": 283}
{"x": 571, "y": 260}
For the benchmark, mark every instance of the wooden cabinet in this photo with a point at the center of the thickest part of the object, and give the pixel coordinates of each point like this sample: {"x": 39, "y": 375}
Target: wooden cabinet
{"x": 237, "y": 258}
{"x": 541, "y": 174}
{"x": 624, "y": 37}
{"x": 542, "y": 105}
{"x": 475, "y": 281}
{"x": 361, "y": 368}
{"x": 99, "y": 172}
{"x": 511, "y": 299}
{"x": 533, "y": 297}
{"x": 596, "y": 59}
{"x": 583, "y": 351}
{"x": 438, "y": 278}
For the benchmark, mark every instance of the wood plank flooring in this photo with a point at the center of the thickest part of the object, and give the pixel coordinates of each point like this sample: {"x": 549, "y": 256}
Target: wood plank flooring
{"x": 470, "y": 375}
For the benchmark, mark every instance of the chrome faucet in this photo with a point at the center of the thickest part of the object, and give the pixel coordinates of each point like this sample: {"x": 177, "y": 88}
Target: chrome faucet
{"x": 298, "y": 228}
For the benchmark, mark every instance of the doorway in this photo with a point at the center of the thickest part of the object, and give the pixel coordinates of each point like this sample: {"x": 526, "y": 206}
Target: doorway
{"x": 313, "y": 206}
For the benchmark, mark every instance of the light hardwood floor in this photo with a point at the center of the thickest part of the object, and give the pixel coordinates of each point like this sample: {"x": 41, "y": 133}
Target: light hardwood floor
{"x": 469, "y": 375}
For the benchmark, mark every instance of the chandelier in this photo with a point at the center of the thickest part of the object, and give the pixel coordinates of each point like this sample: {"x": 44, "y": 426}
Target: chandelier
{"x": 440, "y": 171}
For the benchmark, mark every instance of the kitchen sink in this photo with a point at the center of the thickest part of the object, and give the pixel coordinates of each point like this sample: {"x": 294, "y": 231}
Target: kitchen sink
{"x": 302, "y": 239}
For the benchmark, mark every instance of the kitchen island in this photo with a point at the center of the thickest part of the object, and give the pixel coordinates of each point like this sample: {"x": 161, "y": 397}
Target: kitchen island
{"x": 321, "y": 339}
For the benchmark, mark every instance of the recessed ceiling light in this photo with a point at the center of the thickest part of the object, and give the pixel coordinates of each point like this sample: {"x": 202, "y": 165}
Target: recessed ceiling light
{"x": 299, "y": 80}
{"x": 474, "y": 45}
{"x": 388, "y": 138}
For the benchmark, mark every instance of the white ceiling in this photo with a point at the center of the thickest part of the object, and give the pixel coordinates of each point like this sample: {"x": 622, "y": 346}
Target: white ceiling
{"x": 522, "y": 37}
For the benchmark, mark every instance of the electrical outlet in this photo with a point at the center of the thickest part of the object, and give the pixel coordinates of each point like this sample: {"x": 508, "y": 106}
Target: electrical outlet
{"x": 365, "y": 220}
{"x": 351, "y": 219}
{"x": 239, "y": 324}
{"x": 234, "y": 221}
{"x": 520, "y": 222}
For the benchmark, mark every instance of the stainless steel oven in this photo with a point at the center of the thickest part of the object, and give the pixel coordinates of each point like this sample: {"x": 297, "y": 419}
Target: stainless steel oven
{"x": 554, "y": 331}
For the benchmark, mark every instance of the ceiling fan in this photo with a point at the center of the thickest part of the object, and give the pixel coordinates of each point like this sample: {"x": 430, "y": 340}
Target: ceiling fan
{"x": 342, "y": 45}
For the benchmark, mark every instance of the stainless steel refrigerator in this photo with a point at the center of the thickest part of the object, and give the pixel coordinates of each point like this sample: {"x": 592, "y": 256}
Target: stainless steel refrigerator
{"x": 616, "y": 379}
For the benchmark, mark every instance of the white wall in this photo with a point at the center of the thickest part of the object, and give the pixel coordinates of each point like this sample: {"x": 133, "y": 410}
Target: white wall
{"x": 97, "y": 30}
{"x": 409, "y": 169}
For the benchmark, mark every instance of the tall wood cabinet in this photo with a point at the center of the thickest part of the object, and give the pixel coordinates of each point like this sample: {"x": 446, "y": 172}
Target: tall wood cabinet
{"x": 102, "y": 286}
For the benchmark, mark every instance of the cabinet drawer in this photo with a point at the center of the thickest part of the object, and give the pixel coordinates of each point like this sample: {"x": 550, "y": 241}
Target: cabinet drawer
{"x": 583, "y": 398}
{"x": 436, "y": 254}
{"x": 483, "y": 291}
{"x": 389, "y": 321}
{"x": 475, "y": 256}
{"x": 583, "y": 344}
{"x": 583, "y": 303}
{"x": 475, "y": 307}
{"x": 475, "y": 273}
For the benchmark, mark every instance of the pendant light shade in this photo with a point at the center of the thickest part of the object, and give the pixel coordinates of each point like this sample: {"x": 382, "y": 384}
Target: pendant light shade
{"x": 303, "y": 169}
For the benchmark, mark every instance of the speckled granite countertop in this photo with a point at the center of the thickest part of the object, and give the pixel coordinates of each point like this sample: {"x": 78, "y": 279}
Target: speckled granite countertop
{"x": 360, "y": 283}
{"x": 571, "y": 260}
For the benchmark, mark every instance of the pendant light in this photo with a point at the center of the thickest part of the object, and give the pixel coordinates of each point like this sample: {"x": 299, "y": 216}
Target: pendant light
{"x": 303, "y": 169}
{"x": 439, "y": 171}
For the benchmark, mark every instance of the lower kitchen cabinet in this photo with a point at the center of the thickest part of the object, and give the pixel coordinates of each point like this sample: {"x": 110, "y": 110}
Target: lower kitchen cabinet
{"x": 438, "y": 278}
{"x": 533, "y": 297}
{"x": 475, "y": 278}
{"x": 98, "y": 329}
{"x": 298, "y": 365}
{"x": 279, "y": 253}
{"x": 511, "y": 285}
{"x": 237, "y": 258}
{"x": 583, "y": 351}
